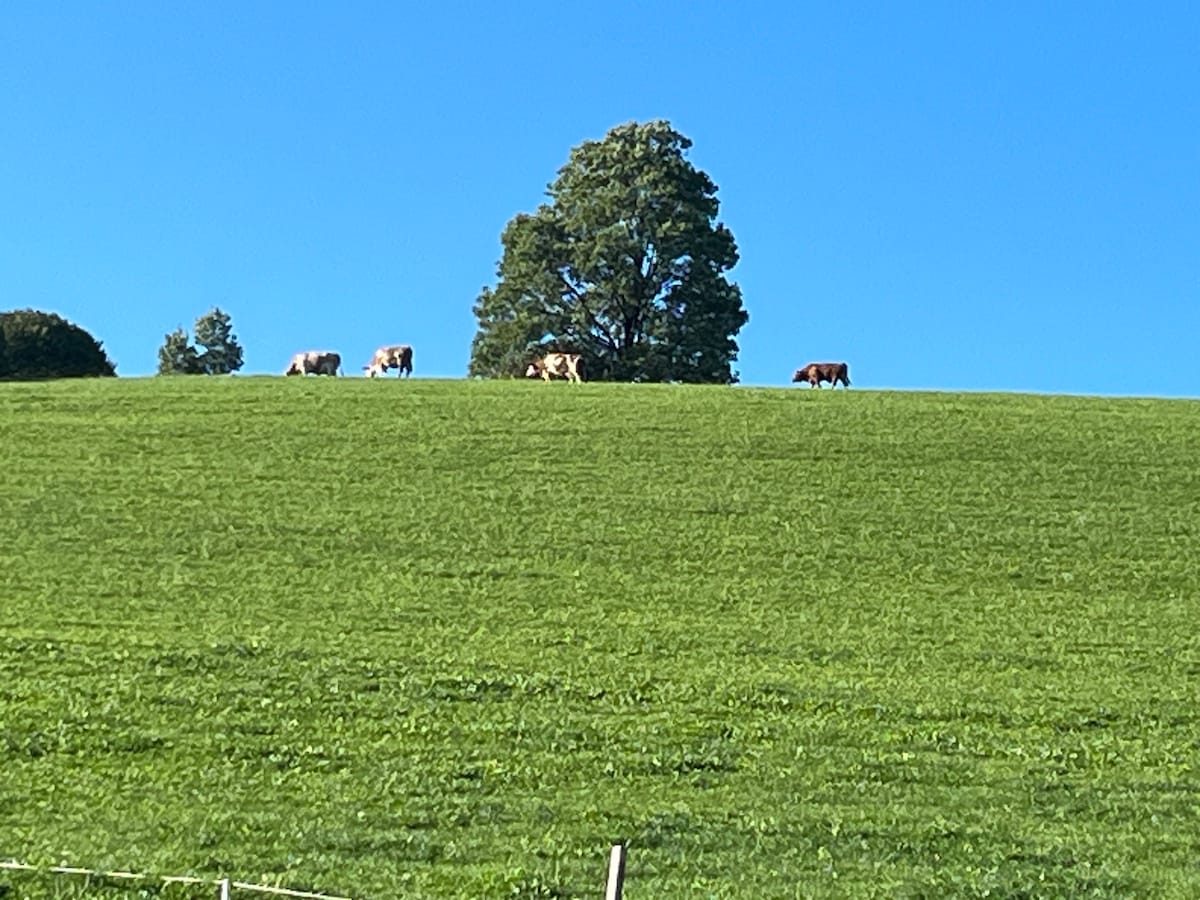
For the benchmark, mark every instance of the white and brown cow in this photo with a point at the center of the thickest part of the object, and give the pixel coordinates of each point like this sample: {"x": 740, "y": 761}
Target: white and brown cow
{"x": 556, "y": 365}
{"x": 397, "y": 356}
{"x": 315, "y": 362}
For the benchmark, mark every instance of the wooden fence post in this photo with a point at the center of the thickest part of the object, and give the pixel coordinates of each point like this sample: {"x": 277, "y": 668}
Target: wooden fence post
{"x": 224, "y": 883}
{"x": 616, "y": 873}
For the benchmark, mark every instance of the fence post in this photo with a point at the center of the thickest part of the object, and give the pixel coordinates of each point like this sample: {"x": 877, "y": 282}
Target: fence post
{"x": 224, "y": 883}
{"x": 616, "y": 872}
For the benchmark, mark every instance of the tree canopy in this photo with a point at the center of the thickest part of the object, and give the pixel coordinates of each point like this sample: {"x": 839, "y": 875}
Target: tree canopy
{"x": 626, "y": 265}
{"x": 222, "y": 353}
{"x": 36, "y": 344}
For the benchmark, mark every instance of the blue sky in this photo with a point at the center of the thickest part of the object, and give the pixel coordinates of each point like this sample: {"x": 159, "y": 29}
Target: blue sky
{"x": 957, "y": 195}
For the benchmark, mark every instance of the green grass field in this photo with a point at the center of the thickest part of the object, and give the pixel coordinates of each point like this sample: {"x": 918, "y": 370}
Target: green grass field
{"x": 454, "y": 639}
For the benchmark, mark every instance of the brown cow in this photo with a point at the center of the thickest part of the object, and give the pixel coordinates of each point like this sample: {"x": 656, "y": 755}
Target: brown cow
{"x": 317, "y": 362}
{"x": 558, "y": 365}
{"x": 815, "y": 373}
{"x": 397, "y": 356}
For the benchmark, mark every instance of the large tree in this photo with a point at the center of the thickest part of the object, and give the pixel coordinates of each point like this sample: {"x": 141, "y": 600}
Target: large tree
{"x": 626, "y": 264}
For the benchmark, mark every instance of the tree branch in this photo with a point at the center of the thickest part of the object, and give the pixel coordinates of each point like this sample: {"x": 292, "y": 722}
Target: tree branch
{"x": 602, "y": 333}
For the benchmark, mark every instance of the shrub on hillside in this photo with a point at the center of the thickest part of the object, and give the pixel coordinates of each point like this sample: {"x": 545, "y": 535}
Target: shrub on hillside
{"x": 36, "y": 344}
{"x": 222, "y": 354}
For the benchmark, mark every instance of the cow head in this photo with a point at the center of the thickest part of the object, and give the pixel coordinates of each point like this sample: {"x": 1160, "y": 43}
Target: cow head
{"x": 534, "y": 370}
{"x": 801, "y": 375}
{"x": 294, "y": 369}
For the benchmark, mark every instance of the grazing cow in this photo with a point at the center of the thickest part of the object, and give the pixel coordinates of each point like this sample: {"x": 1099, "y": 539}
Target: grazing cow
{"x": 317, "y": 362}
{"x": 558, "y": 365}
{"x": 398, "y": 356}
{"x": 815, "y": 373}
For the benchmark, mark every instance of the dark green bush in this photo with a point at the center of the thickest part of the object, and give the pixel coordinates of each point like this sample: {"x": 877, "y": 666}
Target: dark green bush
{"x": 36, "y": 344}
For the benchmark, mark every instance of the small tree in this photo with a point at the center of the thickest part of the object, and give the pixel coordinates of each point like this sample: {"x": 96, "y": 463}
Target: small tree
{"x": 36, "y": 344}
{"x": 177, "y": 357}
{"x": 222, "y": 353}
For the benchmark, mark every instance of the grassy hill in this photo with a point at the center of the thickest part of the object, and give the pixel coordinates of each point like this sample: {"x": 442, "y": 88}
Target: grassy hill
{"x": 453, "y": 639}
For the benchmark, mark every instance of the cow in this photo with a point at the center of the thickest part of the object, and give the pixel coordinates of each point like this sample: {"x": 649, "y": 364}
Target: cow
{"x": 317, "y": 362}
{"x": 397, "y": 356}
{"x": 815, "y": 373}
{"x": 558, "y": 365}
